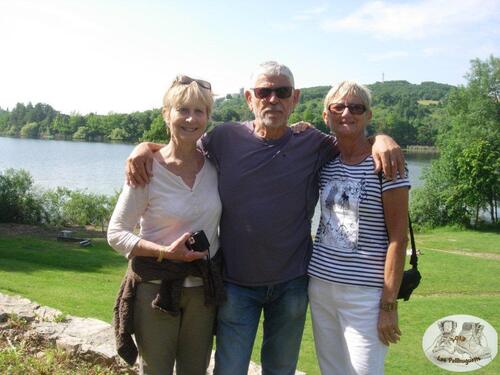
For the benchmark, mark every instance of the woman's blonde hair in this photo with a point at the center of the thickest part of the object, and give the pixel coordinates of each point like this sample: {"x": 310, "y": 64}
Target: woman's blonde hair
{"x": 348, "y": 88}
{"x": 181, "y": 93}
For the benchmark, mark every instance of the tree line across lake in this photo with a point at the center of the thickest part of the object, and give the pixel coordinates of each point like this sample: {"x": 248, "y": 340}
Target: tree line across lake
{"x": 408, "y": 112}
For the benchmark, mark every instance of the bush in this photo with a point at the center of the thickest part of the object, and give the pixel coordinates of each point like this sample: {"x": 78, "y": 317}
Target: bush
{"x": 83, "y": 208}
{"x": 19, "y": 202}
{"x": 53, "y": 204}
{"x": 435, "y": 203}
{"x": 63, "y": 207}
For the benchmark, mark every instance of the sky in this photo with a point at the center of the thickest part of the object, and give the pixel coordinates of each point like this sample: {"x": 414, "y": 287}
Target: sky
{"x": 120, "y": 56}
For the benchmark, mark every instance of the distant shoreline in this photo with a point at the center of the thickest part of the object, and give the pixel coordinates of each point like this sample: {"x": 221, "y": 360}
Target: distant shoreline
{"x": 118, "y": 142}
{"x": 416, "y": 149}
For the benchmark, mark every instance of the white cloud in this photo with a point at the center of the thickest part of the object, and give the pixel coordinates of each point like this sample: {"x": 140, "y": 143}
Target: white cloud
{"x": 417, "y": 20}
{"x": 311, "y": 13}
{"x": 298, "y": 19}
{"x": 390, "y": 55}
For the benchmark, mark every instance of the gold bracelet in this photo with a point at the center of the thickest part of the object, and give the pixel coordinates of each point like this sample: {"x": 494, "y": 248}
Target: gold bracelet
{"x": 161, "y": 255}
{"x": 389, "y": 306}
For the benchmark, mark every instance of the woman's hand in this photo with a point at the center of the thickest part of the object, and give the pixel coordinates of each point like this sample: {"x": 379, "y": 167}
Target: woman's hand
{"x": 139, "y": 166}
{"x": 178, "y": 250}
{"x": 300, "y": 127}
{"x": 388, "y": 329}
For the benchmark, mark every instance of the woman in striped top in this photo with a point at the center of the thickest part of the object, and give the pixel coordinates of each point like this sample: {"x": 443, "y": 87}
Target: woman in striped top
{"x": 359, "y": 251}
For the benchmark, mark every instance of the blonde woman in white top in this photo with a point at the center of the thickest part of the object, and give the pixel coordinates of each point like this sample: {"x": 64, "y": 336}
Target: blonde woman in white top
{"x": 182, "y": 198}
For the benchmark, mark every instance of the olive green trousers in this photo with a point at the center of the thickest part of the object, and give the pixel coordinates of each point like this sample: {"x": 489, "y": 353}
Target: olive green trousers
{"x": 163, "y": 339}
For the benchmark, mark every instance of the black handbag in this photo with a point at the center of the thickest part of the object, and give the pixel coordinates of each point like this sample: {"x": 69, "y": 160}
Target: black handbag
{"x": 411, "y": 277}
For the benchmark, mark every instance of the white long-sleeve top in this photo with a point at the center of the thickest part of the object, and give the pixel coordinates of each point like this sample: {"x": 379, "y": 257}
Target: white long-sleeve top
{"x": 167, "y": 208}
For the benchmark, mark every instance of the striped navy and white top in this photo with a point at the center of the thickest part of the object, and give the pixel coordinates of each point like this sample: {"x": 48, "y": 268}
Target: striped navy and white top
{"x": 351, "y": 242}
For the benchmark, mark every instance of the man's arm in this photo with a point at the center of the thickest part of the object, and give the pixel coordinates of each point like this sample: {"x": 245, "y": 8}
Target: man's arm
{"x": 386, "y": 153}
{"x": 139, "y": 166}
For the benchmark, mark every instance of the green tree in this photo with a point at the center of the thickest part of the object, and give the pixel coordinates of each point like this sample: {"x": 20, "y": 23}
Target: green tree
{"x": 119, "y": 134}
{"x": 82, "y": 133}
{"x": 30, "y": 130}
{"x": 478, "y": 170}
{"x": 158, "y": 131}
{"x": 465, "y": 179}
{"x": 75, "y": 122}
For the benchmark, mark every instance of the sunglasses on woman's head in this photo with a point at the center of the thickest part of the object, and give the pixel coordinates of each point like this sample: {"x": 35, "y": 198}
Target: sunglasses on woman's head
{"x": 265, "y": 92}
{"x": 186, "y": 80}
{"x": 339, "y": 108}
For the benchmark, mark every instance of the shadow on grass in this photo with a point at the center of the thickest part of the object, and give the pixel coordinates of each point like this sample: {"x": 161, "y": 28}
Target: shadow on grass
{"x": 29, "y": 254}
{"x": 488, "y": 228}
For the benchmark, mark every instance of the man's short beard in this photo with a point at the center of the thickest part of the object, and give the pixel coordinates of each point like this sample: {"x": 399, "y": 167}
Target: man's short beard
{"x": 265, "y": 121}
{"x": 272, "y": 124}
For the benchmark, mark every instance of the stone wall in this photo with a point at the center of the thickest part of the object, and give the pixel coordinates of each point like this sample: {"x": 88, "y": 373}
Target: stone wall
{"x": 88, "y": 338}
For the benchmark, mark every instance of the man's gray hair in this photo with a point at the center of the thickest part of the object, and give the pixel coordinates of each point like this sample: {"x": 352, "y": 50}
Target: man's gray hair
{"x": 271, "y": 68}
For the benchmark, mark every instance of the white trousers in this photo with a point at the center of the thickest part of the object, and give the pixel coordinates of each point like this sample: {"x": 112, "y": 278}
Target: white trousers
{"x": 344, "y": 321}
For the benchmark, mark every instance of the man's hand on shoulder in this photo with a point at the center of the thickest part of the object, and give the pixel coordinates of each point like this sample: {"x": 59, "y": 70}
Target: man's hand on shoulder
{"x": 388, "y": 156}
{"x": 139, "y": 165}
{"x": 301, "y": 126}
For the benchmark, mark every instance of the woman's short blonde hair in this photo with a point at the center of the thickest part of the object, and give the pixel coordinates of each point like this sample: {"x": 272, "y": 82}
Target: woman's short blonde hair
{"x": 348, "y": 88}
{"x": 182, "y": 93}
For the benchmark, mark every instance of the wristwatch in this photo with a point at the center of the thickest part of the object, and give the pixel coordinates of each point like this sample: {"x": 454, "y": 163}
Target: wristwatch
{"x": 389, "y": 306}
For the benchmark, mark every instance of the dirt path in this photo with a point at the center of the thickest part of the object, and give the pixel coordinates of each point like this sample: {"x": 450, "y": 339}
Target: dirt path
{"x": 466, "y": 253}
{"x": 11, "y": 229}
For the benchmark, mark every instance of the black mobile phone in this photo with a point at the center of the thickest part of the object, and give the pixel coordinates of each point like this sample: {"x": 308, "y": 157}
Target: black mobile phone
{"x": 198, "y": 241}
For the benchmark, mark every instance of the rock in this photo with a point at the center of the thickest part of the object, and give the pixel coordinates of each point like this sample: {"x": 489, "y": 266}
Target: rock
{"x": 48, "y": 314}
{"x": 3, "y": 316}
{"x": 51, "y": 331}
{"x": 96, "y": 338}
{"x": 22, "y": 307}
{"x": 68, "y": 343}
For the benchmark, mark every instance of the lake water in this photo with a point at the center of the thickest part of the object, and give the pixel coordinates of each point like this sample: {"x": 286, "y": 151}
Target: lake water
{"x": 97, "y": 167}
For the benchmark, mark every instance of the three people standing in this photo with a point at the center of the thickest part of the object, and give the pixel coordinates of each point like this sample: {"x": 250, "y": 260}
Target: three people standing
{"x": 268, "y": 186}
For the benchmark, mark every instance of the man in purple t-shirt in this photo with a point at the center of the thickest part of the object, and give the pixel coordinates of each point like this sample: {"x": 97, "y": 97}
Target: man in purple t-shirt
{"x": 268, "y": 187}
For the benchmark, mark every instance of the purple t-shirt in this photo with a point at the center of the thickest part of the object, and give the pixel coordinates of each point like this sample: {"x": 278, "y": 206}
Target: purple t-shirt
{"x": 269, "y": 189}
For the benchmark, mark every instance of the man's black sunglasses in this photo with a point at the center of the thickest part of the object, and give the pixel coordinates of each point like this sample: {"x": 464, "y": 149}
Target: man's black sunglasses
{"x": 265, "y": 92}
{"x": 355, "y": 109}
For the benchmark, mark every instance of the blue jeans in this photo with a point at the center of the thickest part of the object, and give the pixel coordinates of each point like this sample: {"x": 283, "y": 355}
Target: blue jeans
{"x": 284, "y": 306}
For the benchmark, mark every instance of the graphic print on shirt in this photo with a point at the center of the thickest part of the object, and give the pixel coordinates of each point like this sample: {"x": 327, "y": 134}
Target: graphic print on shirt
{"x": 341, "y": 198}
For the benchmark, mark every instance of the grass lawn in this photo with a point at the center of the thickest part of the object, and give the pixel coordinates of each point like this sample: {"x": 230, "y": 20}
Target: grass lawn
{"x": 428, "y": 102}
{"x": 84, "y": 281}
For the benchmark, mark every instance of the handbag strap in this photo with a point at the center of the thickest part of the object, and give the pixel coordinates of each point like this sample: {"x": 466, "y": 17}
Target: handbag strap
{"x": 414, "y": 257}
